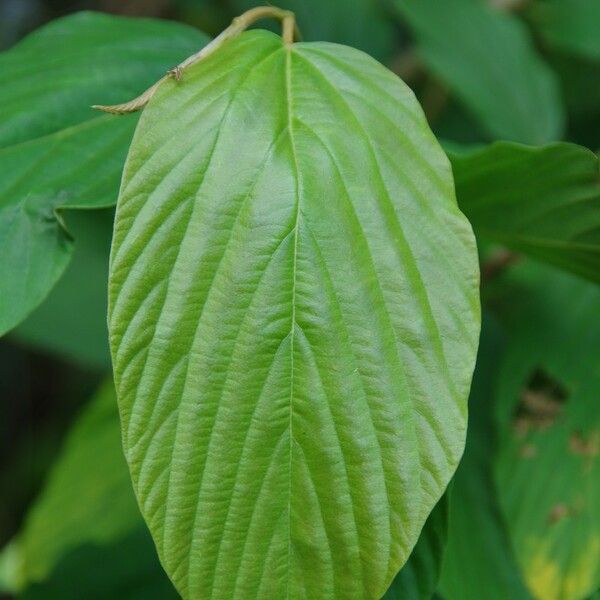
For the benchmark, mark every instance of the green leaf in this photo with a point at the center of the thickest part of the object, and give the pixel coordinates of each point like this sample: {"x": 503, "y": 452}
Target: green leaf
{"x": 418, "y": 578}
{"x": 55, "y": 151}
{"x": 548, "y": 467}
{"x": 479, "y": 562}
{"x": 87, "y": 509}
{"x": 488, "y": 61}
{"x": 570, "y": 25}
{"x": 543, "y": 201}
{"x": 71, "y": 322}
{"x": 359, "y": 23}
{"x": 293, "y": 314}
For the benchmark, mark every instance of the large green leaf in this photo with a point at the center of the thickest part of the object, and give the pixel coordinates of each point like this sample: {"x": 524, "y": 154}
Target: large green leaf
{"x": 359, "y": 23}
{"x": 548, "y": 467}
{"x": 293, "y": 314}
{"x": 55, "y": 151}
{"x": 86, "y": 516}
{"x": 571, "y": 25}
{"x": 543, "y": 201}
{"x": 488, "y": 61}
{"x": 479, "y": 562}
{"x": 418, "y": 578}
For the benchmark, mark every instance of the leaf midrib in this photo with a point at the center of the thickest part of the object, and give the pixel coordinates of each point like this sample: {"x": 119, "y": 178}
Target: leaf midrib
{"x": 288, "y": 85}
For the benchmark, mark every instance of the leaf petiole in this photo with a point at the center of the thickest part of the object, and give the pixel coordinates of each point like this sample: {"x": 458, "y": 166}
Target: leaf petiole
{"x": 290, "y": 32}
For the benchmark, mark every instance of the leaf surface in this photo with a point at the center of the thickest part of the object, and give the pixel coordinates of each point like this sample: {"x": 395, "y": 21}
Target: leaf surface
{"x": 55, "y": 151}
{"x": 548, "y": 463}
{"x": 293, "y": 317}
{"x": 544, "y": 201}
{"x": 488, "y": 61}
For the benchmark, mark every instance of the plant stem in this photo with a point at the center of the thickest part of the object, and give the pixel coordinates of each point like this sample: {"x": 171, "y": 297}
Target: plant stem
{"x": 238, "y": 25}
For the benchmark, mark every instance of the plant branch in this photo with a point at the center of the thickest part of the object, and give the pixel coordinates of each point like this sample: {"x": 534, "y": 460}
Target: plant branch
{"x": 238, "y": 25}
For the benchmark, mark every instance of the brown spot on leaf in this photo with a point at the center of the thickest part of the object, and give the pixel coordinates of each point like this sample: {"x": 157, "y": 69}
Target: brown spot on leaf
{"x": 557, "y": 513}
{"x": 528, "y": 451}
{"x": 540, "y": 403}
{"x": 587, "y": 445}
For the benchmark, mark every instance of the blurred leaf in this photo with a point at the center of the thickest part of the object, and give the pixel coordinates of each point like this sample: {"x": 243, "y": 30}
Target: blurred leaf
{"x": 479, "y": 562}
{"x": 548, "y": 467}
{"x": 488, "y": 61}
{"x": 543, "y": 201}
{"x": 457, "y": 124}
{"x": 359, "y": 23}
{"x": 571, "y": 25}
{"x": 418, "y": 578}
{"x": 87, "y": 509}
{"x": 71, "y": 321}
{"x": 55, "y": 151}
{"x": 580, "y": 82}
{"x": 126, "y": 569}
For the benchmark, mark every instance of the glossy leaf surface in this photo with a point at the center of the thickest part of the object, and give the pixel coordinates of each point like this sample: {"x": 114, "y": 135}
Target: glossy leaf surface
{"x": 293, "y": 315}
{"x": 55, "y": 151}
{"x": 488, "y": 61}
{"x": 544, "y": 201}
{"x": 548, "y": 465}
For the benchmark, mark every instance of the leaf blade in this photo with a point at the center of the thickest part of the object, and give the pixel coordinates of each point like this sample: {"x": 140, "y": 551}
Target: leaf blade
{"x": 570, "y": 25}
{"x": 243, "y": 262}
{"x": 544, "y": 201}
{"x": 488, "y": 60}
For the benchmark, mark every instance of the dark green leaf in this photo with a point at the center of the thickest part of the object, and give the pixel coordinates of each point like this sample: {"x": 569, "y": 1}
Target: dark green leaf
{"x": 294, "y": 314}
{"x": 126, "y": 569}
{"x": 71, "y": 321}
{"x": 55, "y": 151}
{"x": 359, "y": 23}
{"x": 543, "y": 201}
{"x": 548, "y": 467}
{"x": 87, "y": 511}
{"x": 571, "y": 25}
{"x": 479, "y": 562}
{"x": 488, "y": 61}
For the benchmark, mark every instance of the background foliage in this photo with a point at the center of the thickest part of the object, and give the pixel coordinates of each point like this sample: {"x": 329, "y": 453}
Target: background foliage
{"x": 510, "y": 87}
